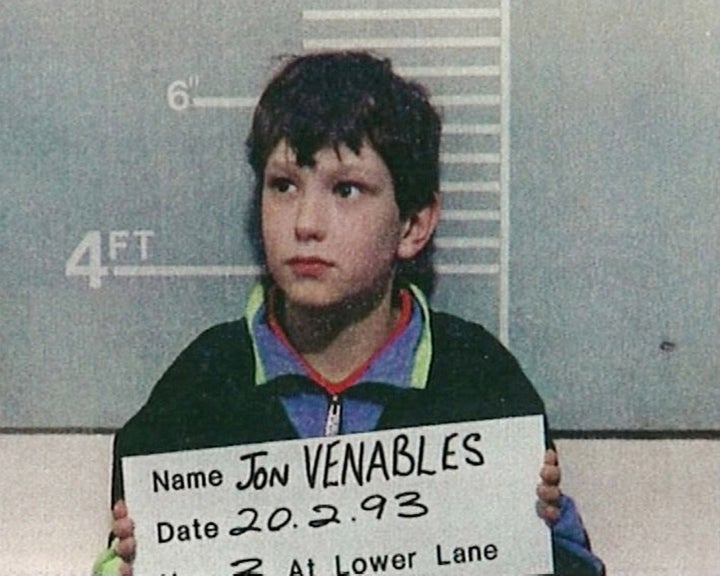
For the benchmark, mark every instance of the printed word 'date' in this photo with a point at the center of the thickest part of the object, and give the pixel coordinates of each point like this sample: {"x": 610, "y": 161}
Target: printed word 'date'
{"x": 196, "y": 530}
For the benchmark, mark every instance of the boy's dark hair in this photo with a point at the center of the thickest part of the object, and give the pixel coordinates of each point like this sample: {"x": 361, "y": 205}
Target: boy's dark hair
{"x": 334, "y": 98}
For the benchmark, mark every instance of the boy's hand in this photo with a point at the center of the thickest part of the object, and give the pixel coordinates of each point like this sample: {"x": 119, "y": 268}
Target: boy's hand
{"x": 123, "y": 530}
{"x": 548, "y": 490}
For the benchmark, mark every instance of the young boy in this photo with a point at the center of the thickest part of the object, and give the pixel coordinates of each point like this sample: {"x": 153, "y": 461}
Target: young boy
{"x": 337, "y": 339}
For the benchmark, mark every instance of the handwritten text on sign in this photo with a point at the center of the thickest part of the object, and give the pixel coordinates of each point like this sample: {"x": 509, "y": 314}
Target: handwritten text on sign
{"x": 452, "y": 498}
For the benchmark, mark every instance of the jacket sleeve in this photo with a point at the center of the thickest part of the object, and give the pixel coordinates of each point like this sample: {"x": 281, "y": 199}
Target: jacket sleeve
{"x": 572, "y": 550}
{"x": 107, "y": 564}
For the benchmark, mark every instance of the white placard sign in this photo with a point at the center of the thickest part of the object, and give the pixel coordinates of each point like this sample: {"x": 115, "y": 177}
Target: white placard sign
{"x": 456, "y": 499}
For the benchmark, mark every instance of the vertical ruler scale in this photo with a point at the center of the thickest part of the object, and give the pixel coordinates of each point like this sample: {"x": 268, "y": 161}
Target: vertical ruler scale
{"x": 504, "y": 287}
{"x": 462, "y": 55}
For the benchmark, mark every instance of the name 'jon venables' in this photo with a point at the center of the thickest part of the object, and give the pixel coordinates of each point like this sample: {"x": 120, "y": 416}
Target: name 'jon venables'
{"x": 339, "y": 463}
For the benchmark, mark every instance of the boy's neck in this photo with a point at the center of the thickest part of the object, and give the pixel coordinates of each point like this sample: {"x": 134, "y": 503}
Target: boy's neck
{"x": 335, "y": 341}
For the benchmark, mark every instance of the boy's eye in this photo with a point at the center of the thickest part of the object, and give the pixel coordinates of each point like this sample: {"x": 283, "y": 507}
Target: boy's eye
{"x": 347, "y": 189}
{"x": 281, "y": 185}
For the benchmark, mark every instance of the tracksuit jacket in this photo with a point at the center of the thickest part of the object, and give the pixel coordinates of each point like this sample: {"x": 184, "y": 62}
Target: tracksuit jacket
{"x": 222, "y": 390}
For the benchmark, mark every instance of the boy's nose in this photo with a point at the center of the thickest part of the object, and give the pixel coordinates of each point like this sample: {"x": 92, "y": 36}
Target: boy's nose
{"x": 311, "y": 216}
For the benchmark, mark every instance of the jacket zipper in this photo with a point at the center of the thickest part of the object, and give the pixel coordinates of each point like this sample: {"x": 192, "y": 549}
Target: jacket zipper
{"x": 332, "y": 423}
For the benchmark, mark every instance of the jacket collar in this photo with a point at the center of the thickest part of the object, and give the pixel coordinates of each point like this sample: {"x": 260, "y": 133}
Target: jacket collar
{"x": 405, "y": 365}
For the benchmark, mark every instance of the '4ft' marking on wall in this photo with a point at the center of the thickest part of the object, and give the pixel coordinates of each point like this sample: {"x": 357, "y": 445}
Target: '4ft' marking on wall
{"x": 86, "y": 258}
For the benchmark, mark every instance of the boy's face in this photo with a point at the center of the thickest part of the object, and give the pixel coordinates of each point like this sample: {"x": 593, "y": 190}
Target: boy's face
{"x": 331, "y": 231}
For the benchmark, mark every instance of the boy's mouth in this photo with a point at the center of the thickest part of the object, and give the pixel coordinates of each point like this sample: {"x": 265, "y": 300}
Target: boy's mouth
{"x": 308, "y": 266}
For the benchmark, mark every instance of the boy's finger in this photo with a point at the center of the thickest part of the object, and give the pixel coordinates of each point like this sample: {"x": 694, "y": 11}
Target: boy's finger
{"x": 548, "y": 494}
{"x": 125, "y": 548}
{"x": 123, "y": 528}
{"x": 550, "y": 471}
{"x": 551, "y": 457}
{"x": 547, "y": 512}
{"x": 125, "y": 569}
{"x": 120, "y": 509}
{"x": 550, "y": 475}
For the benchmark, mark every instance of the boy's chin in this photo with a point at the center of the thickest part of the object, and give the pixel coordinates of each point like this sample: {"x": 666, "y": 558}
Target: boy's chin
{"x": 317, "y": 301}
{"x": 313, "y": 301}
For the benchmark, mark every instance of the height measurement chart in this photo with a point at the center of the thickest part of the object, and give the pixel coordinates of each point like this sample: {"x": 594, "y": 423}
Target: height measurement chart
{"x": 461, "y": 55}
{"x": 453, "y": 498}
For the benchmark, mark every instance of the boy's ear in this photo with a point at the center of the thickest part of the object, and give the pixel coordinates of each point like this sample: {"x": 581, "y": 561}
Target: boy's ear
{"x": 418, "y": 229}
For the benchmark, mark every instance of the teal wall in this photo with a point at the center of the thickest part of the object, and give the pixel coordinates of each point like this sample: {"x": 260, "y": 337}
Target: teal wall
{"x": 615, "y": 210}
{"x": 614, "y": 206}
